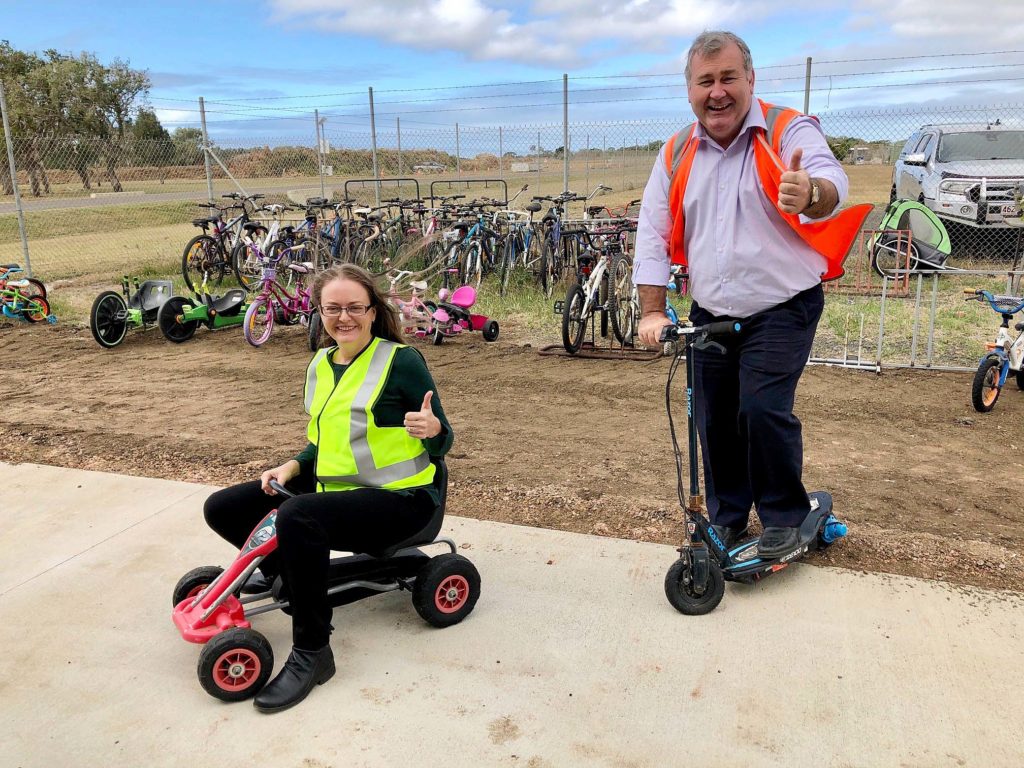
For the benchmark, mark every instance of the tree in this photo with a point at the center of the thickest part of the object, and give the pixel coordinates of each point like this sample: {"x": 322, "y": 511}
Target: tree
{"x": 841, "y": 145}
{"x": 188, "y": 146}
{"x": 151, "y": 141}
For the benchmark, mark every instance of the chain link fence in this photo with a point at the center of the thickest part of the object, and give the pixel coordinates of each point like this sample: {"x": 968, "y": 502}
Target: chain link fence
{"x": 95, "y": 209}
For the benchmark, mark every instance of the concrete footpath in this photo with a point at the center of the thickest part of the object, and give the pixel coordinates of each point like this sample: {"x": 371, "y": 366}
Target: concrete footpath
{"x": 573, "y": 656}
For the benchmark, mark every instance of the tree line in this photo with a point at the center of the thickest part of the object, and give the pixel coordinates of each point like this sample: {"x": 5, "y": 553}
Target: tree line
{"x": 74, "y": 112}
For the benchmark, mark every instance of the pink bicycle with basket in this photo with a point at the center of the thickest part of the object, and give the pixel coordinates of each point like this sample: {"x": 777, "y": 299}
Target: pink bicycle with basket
{"x": 275, "y": 303}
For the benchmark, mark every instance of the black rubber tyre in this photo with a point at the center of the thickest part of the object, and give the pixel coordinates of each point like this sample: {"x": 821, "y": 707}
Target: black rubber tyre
{"x": 574, "y": 325}
{"x": 623, "y": 322}
{"x": 315, "y": 326}
{"x": 246, "y": 265}
{"x": 36, "y": 310}
{"x": 1020, "y": 379}
{"x": 34, "y": 290}
{"x": 438, "y": 337}
{"x": 680, "y": 593}
{"x": 508, "y": 259}
{"x": 203, "y": 256}
{"x": 171, "y": 326}
{"x": 235, "y": 664}
{"x": 194, "y": 582}
{"x": 446, "y": 590}
{"x": 490, "y": 330}
{"x": 550, "y": 271}
{"x": 474, "y": 266}
{"x": 107, "y": 320}
{"x": 985, "y": 389}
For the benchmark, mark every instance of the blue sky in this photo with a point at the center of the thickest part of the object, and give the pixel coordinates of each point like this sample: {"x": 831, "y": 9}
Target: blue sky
{"x": 263, "y": 66}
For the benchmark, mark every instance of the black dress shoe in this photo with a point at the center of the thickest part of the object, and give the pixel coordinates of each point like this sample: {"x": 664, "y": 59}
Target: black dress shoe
{"x": 729, "y": 536}
{"x": 257, "y": 583}
{"x": 776, "y": 541}
{"x": 300, "y": 673}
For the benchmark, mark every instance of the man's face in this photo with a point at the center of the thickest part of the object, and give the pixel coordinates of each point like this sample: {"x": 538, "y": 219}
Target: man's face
{"x": 720, "y": 92}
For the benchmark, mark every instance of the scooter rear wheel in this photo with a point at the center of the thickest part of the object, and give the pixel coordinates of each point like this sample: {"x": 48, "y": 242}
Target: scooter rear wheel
{"x": 235, "y": 664}
{"x": 680, "y": 593}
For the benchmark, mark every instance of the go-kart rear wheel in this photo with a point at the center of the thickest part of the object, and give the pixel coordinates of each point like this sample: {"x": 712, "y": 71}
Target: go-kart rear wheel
{"x": 679, "y": 588}
{"x": 446, "y": 590}
{"x": 107, "y": 319}
{"x": 490, "y": 330}
{"x": 194, "y": 582}
{"x": 172, "y": 324}
{"x": 235, "y": 664}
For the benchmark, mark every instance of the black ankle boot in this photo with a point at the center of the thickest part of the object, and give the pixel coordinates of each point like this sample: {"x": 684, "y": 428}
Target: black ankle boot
{"x": 300, "y": 673}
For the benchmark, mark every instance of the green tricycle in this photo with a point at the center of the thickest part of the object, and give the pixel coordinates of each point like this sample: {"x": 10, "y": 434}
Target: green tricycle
{"x": 114, "y": 313}
{"x": 179, "y": 317}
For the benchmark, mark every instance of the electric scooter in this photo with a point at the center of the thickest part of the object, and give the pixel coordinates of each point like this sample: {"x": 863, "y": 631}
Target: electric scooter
{"x": 695, "y": 584}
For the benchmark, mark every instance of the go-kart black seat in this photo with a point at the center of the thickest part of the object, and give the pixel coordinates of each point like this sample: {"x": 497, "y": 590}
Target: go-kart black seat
{"x": 429, "y": 532}
{"x": 151, "y": 295}
{"x": 228, "y": 304}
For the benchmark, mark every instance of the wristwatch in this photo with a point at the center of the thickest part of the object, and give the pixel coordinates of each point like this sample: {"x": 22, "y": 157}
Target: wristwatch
{"x": 815, "y": 194}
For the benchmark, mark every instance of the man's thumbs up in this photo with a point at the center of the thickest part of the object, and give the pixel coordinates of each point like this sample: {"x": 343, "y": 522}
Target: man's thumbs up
{"x": 423, "y": 423}
{"x": 795, "y": 186}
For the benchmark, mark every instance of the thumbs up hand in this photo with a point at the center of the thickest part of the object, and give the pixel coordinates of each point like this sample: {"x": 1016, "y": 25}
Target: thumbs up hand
{"x": 423, "y": 423}
{"x": 795, "y": 186}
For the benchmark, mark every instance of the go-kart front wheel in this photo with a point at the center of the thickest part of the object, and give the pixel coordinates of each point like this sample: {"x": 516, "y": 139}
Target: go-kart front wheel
{"x": 679, "y": 588}
{"x": 235, "y": 664}
{"x": 446, "y": 590}
{"x": 107, "y": 319}
{"x": 194, "y": 582}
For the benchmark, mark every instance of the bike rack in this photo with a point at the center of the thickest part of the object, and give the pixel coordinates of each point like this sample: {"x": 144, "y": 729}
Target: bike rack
{"x": 467, "y": 182}
{"x": 383, "y": 180}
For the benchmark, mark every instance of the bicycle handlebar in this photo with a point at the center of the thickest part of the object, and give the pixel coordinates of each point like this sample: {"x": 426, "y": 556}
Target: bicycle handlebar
{"x": 719, "y": 328}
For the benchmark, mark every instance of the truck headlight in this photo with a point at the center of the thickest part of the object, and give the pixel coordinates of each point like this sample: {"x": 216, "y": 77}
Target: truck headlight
{"x": 960, "y": 188}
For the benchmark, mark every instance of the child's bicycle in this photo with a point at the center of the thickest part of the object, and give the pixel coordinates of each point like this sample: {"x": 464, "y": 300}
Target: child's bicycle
{"x": 275, "y": 303}
{"x": 1003, "y": 355}
{"x": 23, "y": 299}
{"x": 415, "y": 314}
{"x": 113, "y": 313}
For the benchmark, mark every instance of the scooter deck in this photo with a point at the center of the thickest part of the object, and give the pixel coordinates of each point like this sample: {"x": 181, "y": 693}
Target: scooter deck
{"x": 746, "y": 565}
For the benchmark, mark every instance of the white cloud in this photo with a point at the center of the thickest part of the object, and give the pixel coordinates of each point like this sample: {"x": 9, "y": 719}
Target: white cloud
{"x": 559, "y": 33}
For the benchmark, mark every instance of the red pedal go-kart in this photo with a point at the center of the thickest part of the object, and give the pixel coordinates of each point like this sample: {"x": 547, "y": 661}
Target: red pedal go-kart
{"x": 236, "y": 660}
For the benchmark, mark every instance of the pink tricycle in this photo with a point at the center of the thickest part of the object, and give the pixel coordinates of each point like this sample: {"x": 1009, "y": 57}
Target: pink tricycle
{"x": 453, "y": 317}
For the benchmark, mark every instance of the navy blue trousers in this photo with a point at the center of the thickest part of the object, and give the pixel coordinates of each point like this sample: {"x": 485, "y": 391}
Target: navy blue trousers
{"x": 750, "y": 438}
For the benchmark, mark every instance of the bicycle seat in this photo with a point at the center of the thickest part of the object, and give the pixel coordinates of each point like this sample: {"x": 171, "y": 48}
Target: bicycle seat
{"x": 303, "y": 267}
{"x": 533, "y": 207}
{"x": 253, "y": 226}
{"x": 418, "y": 285}
{"x": 228, "y": 304}
{"x": 204, "y": 221}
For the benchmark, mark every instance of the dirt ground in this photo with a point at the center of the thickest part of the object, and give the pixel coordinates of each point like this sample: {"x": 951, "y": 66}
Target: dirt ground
{"x": 928, "y": 486}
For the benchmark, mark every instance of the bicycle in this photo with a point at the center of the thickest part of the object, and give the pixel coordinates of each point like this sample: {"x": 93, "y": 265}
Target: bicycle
{"x": 416, "y": 315}
{"x": 275, "y": 302}
{"x": 207, "y": 257}
{"x": 23, "y": 299}
{"x": 592, "y": 293}
{"x": 1003, "y": 355}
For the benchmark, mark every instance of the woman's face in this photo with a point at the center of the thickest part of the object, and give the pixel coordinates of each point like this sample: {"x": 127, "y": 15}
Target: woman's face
{"x": 350, "y": 329}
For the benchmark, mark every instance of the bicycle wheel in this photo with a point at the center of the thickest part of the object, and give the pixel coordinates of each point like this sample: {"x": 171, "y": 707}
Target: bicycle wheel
{"x": 550, "y": 270}
{"x": 245, "y": 261}
{"x": 259, "y": 321}
{"x": 203, "y": 258}
{"x": 622, "y": 316}
{"x": 508, "y": 260}
{"x": 985, "y": 388}
{"x": 36, "y": 310}
{"x": 574, "y": 324}
{"x": 34, "y": 289}
{"x": 473, "y": 266}
{"x": 107, "y": 319}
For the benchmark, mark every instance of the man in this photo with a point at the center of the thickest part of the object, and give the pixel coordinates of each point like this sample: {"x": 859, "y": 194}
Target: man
{"x": 737, "y": 198}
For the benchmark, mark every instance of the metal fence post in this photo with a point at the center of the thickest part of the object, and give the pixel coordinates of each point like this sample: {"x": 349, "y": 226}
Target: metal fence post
{"x": 373, "y": 146}
{"x": 587, "y": 182}
{"x": 14, "y": 181}
{"x": 398, "y": 138}
{"x": 501, "y": 161}
{"x": 206, "y": 150}
{"x": 565, "y": 132}
{"x": 538, "y": 162}
{"x": 807, "y": 88}
{"x": 319, "y": 153}
{"x": 458, "y": 153}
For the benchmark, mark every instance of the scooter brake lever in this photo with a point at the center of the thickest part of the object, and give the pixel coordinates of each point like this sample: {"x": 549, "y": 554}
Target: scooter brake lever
{"x": 705, "y": 343}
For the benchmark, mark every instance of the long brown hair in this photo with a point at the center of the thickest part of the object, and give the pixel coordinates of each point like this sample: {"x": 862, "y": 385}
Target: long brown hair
{"x": 385, "y": 322}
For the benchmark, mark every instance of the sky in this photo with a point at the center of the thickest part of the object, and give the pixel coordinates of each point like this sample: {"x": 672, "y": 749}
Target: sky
{"x": 264, "y": 66}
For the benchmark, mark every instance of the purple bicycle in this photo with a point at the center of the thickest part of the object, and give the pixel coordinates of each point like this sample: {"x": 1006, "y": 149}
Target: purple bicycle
{"x": 274, "y": 303}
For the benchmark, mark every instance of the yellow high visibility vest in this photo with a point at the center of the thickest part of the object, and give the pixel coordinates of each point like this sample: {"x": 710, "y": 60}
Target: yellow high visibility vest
{"x": 352, "y": 451}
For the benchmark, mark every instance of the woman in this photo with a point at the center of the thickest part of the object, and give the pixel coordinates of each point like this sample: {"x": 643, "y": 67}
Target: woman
{"x": 375, "y": 422}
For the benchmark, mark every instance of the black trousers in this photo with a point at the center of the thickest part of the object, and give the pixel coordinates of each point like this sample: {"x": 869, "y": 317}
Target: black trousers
{"x": 308, "y": 528}
{"x": 749, "y": 437}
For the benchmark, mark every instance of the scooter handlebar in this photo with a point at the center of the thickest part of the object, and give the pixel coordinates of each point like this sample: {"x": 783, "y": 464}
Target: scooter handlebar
{"x": 720, "y": 328}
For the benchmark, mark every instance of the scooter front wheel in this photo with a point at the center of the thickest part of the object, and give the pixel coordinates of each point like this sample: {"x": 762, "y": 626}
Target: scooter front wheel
{"x": 680, "y": 592}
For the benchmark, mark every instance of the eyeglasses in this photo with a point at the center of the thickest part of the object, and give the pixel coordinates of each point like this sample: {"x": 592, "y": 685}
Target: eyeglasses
{"x": 353, "y": 310}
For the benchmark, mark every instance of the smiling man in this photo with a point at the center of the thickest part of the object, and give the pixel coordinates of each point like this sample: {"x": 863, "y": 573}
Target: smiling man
{"x": 744, "y": 198}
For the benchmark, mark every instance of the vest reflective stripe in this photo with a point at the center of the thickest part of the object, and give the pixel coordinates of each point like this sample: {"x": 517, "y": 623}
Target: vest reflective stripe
{"x": 404, "y": 462}
{"x": 831, "y": 238}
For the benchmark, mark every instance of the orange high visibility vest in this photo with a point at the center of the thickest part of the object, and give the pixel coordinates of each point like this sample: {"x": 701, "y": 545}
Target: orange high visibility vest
{"x": 831, "y": 238}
